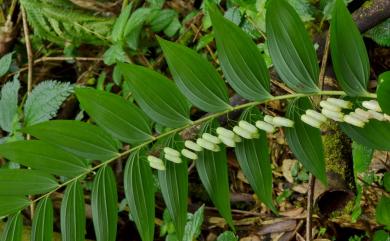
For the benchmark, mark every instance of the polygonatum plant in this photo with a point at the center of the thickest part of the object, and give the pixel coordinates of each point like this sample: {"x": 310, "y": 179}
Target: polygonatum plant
{"x": 66, "y": 152}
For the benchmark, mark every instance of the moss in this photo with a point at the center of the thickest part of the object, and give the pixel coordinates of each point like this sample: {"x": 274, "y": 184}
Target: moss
{"x": 368, "y": 4}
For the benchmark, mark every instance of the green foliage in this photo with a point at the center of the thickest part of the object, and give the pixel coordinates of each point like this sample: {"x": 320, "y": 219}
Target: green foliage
{"x": 380, "y": 33}
{"x": 5, "y": 63}
{"x": 13, "y": 228}
{"x": 9, "y": 105}
{"x": 12, "y": 204}
{"x": 227, "y": 236}
{"x": 194, "y": 224}
{"x": 383, "y": 91}
{"x": 42, "y": 226}
{"x": 382, "y": 211}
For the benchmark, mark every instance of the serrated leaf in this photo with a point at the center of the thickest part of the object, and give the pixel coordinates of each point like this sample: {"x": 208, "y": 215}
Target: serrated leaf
{"x": 254, "y": 160}
{"x": 5, "y": 63}
{"x": 380, "y": 33}
{"x": 227, "y": 236}
{"x": 73, "y": 213}
{"x": 42, "y": 226}
{"x": 138, "y": 179}
{"x": 25, "y": 182}
{"x": 305, "y": 141}
{"x": 196, "y": 77}
{"x": 43, "y": 156}
{"x": 104, "y": 202}
{"x": 241, "y": 60}
{"x": 382, "y": 212}
{"x": 121, "y": 118}
{"x": 82, "y": 139}
{"x": 9, "y": 104}
{"x": 290, "y": 47}
{"x": 194, "y": 225}
{"x": 362, "y": 156}
{"x": 157, "y": 95}
{"x": 383, "y": 91}
{"x": 13, "y": 229}
{"x": 44, "y": 101}
{"x": 11, "y": 204}
{"x": 213, "y": 172}
{"x": 349, "y": 55}
{"x": 174, "y": 187}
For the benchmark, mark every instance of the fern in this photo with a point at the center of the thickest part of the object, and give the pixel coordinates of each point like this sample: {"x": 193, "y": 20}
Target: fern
{"x": 9, "y": 104}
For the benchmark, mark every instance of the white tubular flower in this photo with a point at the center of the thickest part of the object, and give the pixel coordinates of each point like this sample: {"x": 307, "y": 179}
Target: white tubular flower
{"x": 189, "y": 154}
{"x": 211, "y": 138}
{"x": 227, "y": 141}
{"x": 316, "y": 115}
{"x": 269, "y": 119}
{"x": 341, "y": 103}
{"x": 376, "y": 115}
{"x": 236, "y": 138}
{"x": 247, "y": 126}
{"x": 357, "y": 116}
{"x": 262, "y": 125}
{"x": 387, "y": 117}
{"x": 311, "y": 121}
{"x": 353, "y": 121}
{"x": 192, "y": 146}
{"x": 336, "y": 116}
{"x": 281, "y": 121}
{"x": 330, "y": 106}
{"x": 156, "y": 163}
{"x": 225, "y": 132}
{"x": 242, "y": 132}
{"x": 362, "y": 113}
{"x": 171, "y": 158}
{"x": 372, "y": 105}
{"x": 207, "y": 144}
{"x": 171, "y": 151}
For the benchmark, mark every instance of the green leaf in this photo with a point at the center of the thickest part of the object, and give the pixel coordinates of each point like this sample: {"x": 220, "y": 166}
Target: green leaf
{"x": 381, "y": 235}
{"x": 196, "y": 77}
{"x": 13, "y": 229}
{"x": 227, "y": 236}
{"x": 82, "y": 139}
{"x": 386, "y": 181}
{"x": 73, "y": 213}
{"x": 122, "y": 119}
{"x": 104, "y": 202}
{"x": 9, "y": 104}
{"x": 161, "y": 19}
{"x": 5, "y": 63}
{"x": 157, "y": 96}
{"x": 25, "y": 182}
{"x": 349, "y": 55}
{"x": 375, "y": 134}
{"x": 114, "y": 54}
{"x": 174, "y": 187}
{"x": 44, "y": 101}
{"x": 241, "y": 60}
{"x": 139, "y": 180}
{"x": 11, "y": 204}
{"x": 382, "y": 212}
{"x": 213, "y": 172}
{"x": 305, "y": 141}
{"x": 290, "y": 47}
{"x": 194, "y": 225}
{"x": 254, "y": 160}
{"x": 118, "y": 29}
{"x": 380, "y": 33}
{"x": 383, "y": 91}
{"x": 362, "y": 156}
{"x": 42, "y": 226}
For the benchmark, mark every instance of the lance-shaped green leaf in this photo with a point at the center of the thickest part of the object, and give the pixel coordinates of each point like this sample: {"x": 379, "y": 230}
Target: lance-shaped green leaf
{"x": 157, "y": 95}
{"x": 196, "y": 77}
{"x": 12, "y": 204}
{"x": 174, "y": 187}
{"x": 305, "y": 141}
{"x": 121, "y": 118}
{"x": 13, "y": 229}
{"x": 73, "y": 213}
{"x": 42, "y": 226}
{"x": 383, "y": 92}
{"x": 104, "y": 202}
{"x": 241, "y": 60}
{"x": 213, "y": 172}
{"x": 139, "y": 191}
{"x": 290, "y": 47}
{"x": 45, "y": 157}
{"x": 82, "y": 139}
{"x": 25, "y": 182}
{"x": 349, "y": 55}
{"x": 254, "y": 160}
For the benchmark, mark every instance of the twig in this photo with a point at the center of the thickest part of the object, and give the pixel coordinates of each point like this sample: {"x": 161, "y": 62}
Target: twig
{"x": 324, "y": 61}
{"x": 310, "y": 195}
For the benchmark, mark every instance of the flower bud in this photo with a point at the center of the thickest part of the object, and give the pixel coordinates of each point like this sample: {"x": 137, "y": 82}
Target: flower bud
{"x": 207, "y": 144}
{"x": 247, "y": 126}
{"x": 172, "y": 158}
{"x": 341, "y": 103}
{"x": 387, "y": 117}
{"x": 225, "y": 132}
{"x": 171, "y": 151}
{"x": 192, "y": 146}
{"x": 327, "y": 105}
{"x": 336, "y": 116}
{"x": 242, "y": 132}
{"x": 357, "y": 116}
{"x": 262, "y": 125}
{"x": 362, "y": 113}
{"x": 353, "y": 121}
{"x": 376, "y": 115}
{"x": 236, "y": 138}
{"x": 316, "y": 115}
{"x": 311, "y": 121}
{"x": 211, "y": 138}
{"x": 227, "y": 141}
{"x": 281, "y": 121}
{"x": 156, "y": 163}
{"x": 269, "y": 119}
{"x": 372, "y": 105}
{"x": 189, "y": 154}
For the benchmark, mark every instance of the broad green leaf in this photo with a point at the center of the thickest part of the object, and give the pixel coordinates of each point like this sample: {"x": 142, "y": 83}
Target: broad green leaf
{"x": 213, "y": 172}
{"x": 383, "y": 91}
{"x": 386, "y": 181}
{"x": 174, "y": 187}
{"x": 349, "y": 55}
{"x": 157, "y": 95}
{"x": 382, "y": 212}
{"x": 381, "y": 235}
{"x": 291, "y": 48}
{"x": 227, "y": 236}
{"x": 254, "y": 160}
{"x": 241, "y": 60}
{"x": 139, "y": 180}
{"x": 82, "y": 139}
{"x": 362, "y": 156}
{"x": 43, "y": 156}
{"x": 42, "y": 226}
{"x": 13, "y": 229}
{"x": 305, "y": 141}
{"x": 25, "y": 182}
{"x": 11, "y": 204}
{"x": 122, "y": 119}
{"x": 9, "y": 104}
{"x": 73, "y": 213}
{"x": 5, "y": 63}
{"x": 194, "y": 225}
{"x": 375, "y": 134}
{"x": 104, "y": 202}
{"x": 196, "y": 77}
